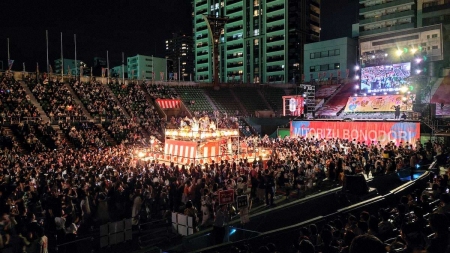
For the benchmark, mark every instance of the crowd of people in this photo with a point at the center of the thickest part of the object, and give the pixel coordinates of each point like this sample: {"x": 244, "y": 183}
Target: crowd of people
{"x": 383, "y": 77}
{"x": 38, "y": 136}
{"x": 15, "y": 105}
{"x": 98, "y": 101}
{"x": 418, "y": 223}
{"x": 56, "y": 100}
{"x": 144, "y": 116}
{"x": 71, "y": 190}
{"x": 55, "y": 194}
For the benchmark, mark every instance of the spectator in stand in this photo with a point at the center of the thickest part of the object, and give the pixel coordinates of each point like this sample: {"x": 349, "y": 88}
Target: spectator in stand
{"x": 444, "y": 206}
{"x": 367, "y": 244}
{"x": 439, "y": 223}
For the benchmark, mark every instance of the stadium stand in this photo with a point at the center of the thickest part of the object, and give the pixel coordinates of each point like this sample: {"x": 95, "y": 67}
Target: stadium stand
{"x": 273, "y": 97}
{"x": 15, "y": 105}
{"x": 250, "y": 99}
{"x": 337, "y": 102}
{"x": 325, "y": 91}
{"x": 442, "y": 97}
{"x": 56, "y": 100}
{"x": 224, "y": 100}
{"x": 65, "y": 195}
{"x": 97, "y": 100}
{"x": 194, "y": 98}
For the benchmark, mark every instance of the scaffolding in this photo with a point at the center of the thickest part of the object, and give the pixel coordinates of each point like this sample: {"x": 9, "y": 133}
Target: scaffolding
{"x": 309, "y": 94}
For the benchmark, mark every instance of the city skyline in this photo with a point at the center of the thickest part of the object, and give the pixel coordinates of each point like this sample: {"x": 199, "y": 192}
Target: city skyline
{"x": 132, "y": 27}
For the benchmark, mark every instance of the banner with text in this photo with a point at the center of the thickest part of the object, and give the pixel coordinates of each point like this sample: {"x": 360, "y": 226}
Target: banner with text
{"x": 385, "y": 103}
{"x": 379, "y": 132}
{"x": 226, "y": 197}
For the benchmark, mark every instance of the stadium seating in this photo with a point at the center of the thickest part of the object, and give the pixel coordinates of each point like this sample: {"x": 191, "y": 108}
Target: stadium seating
{"x": 97, "y": 100}
{"x": 274, "y": 98}
{"x": 85, "y": 135}
{"x": 250, "y": 99}
{"x": 224, "y": 100}
{"x": 245, "y": 128}
{"x": 325, "y": 91}
{"x": 337, "y": 102}
{"x": 56, "y": 100}
{"x": 442, "y": 97}
{"x": 159, "y": 91}
{"x": 14, "y": 103}
{"x": 194, "y": 98}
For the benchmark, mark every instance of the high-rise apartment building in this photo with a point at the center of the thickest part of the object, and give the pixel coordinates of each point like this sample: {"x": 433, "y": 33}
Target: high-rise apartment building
{"x": 432, "y": 12}
{"x": 392, "y": 31}
{"x": 180, "y": 56}
{"x": 380, "y": 16}
{"x": 262, "y": 40}
{"x": 145, "y": 67}
{"x": 69, "y": 65}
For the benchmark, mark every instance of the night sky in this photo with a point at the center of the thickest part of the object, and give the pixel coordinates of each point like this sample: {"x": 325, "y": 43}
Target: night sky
{"x": 129, "y": 26}
{"x": 337, "y": 17}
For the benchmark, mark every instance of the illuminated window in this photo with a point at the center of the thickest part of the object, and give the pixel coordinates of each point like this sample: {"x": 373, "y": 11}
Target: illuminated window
{"x": 256, "y": 32}
{"x": 256, "y": 13}
{"x": 256, "y": 3}
{"x": 256, "y": 42}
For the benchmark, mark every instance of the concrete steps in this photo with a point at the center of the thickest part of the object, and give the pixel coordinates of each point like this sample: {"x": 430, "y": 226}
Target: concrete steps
{"x": 110, "y": 139}
{"x": 9, "y": 133}
{"x": 241, "y": 106}
{"x": 62, "y": 136}
{"x": 78, "y": 102}
{"x": 117, "y": 101}
{"x": 35, "y": 102}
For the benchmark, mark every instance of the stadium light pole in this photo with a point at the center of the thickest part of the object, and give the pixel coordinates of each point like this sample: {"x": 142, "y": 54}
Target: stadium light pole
{"x": 7, "y": 42}
{"x": 215, "y": 27}
{"x": 123, "y": 68}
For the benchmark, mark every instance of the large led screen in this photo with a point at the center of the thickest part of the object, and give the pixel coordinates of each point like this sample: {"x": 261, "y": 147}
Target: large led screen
{"x": 385, "y": 77}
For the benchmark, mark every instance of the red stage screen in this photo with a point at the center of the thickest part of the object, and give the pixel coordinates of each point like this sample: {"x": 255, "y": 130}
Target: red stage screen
{"x": 380, "y": 132}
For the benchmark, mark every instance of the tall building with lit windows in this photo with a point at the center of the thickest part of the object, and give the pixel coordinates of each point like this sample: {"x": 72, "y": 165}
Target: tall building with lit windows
{"x": 262, "y": 41}
{"x": 180, "y": 56}
{"x": 396, "y": 31}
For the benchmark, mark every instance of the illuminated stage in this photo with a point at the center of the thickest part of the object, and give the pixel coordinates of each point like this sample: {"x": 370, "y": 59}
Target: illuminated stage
{"x": 186, "y": 147}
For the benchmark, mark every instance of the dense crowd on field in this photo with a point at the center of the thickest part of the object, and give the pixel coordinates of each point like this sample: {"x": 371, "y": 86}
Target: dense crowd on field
{"x": 66, "y": 191}
{"x": 63, "y": 185}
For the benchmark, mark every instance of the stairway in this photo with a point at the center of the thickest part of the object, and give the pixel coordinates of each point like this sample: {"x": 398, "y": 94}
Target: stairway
{"x": 78, "y": 102}
{"x": 117, "y": 101}
{"x": 62, "y": 136}
{"x": 34, "y": 101}
{"x": 9, "y": 133}
{"x": 110, "y": 139}
{"x": 210, "y": 101}
{"x": 264, "y": 99}
{"x": 241, "y": 106}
